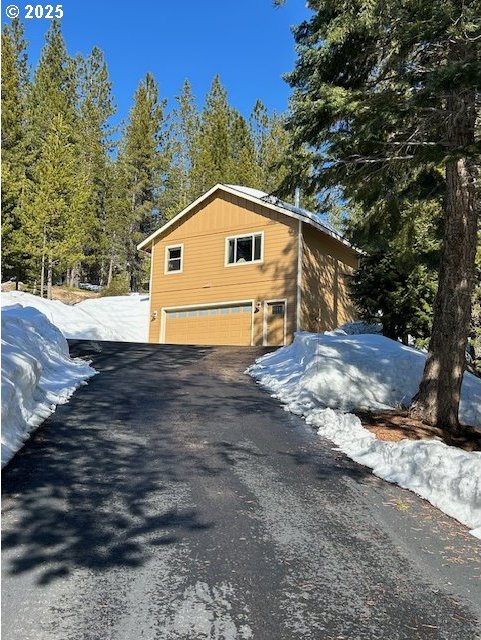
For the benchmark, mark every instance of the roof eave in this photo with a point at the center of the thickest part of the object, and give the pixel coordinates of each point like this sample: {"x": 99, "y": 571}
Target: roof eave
{"x": 148, "y": 241}
{"x": 145, "y": 244}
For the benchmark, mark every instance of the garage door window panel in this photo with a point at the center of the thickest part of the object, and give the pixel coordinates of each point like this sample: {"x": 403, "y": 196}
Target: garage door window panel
{"x": 244, "y": 249}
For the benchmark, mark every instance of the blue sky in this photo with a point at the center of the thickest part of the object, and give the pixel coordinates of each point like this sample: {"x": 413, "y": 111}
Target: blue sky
{"x": 248, "y": 42}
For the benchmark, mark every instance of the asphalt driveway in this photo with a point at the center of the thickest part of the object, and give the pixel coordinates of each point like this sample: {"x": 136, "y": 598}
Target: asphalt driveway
{"x": 172, "y": 498}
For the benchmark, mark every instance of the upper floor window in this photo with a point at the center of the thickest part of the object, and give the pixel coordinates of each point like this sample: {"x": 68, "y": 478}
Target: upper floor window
{"x": 242, "y": 249}
{"x": 174, "y": 258}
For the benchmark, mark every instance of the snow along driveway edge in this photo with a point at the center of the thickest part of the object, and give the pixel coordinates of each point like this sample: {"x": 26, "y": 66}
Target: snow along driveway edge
{"x": 448, "y": 477}
{"x": 37, "y": 374}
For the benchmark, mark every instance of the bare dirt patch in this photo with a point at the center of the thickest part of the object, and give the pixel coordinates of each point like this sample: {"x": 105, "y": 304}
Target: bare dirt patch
{"x": 398, "y": 425}
{"x": 70, "y": 295}
{"x": 10, "y": 286}
{"x": 67, "y": 295}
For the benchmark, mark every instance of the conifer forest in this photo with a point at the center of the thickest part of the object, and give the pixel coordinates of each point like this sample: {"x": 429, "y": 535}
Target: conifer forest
{"x": 382, "y": 135}
{"x": 80, "y": 194}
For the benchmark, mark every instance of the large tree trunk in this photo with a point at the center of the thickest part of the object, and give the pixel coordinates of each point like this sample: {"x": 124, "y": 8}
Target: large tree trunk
{"x": 49, "y": 277}
{"x": 437, "y": 401}
{"x": 42, "y": 273}
{"x": 102, "y": 273}
{"x": 75, "y": 276}
{"x": 110, "y": 273}
{"x": 42, "y": 277}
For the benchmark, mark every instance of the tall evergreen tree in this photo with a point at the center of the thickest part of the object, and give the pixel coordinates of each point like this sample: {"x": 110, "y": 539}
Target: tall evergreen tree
{"x": 383, "y": 84}
{"x": 141, "y": 168}
{"x": 259, "y": 125}
{"x": 274, "y": 152}
{"x": 15, "y": 261}
{"x": 211, "y": 156}
{"x": 224, "y": 149}
{"x": 273, "y": 146}
{"x": 95, "y": 108}
{"x": 50, "y": 102}
{"x": 243, "y": 167}
{"x": 53, "y": 90}
{"x": 55, "y": 211}
{"x": 397, "y": 279}
{"x": 117, "y": 221}
{"x": 178, "y": 191}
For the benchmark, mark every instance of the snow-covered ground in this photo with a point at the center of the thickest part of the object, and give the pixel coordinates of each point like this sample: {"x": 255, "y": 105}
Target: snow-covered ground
{"x": 37, "y": 374}
{"x": 119, "y": 318}
{"x": 323, "y": 376}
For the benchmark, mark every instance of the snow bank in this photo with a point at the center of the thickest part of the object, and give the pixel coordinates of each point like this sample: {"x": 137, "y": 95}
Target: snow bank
{"x": 126, "y": 316}
{"x": 355, "y": 328}
{"x": 447, "y": 477}
{"x": 119, "y": 318}
{"x": 37, "y": 374}
{"x": 350, "y": 372}
{"x": 321, "y": 376}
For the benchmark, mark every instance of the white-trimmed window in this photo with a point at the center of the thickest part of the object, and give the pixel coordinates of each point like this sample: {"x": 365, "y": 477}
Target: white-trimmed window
{"x": 244, "y": 249}
{"x": 174, "y": 256}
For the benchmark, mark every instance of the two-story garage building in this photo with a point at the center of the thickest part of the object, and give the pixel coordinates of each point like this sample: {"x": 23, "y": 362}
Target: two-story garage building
{"x": 240, "y": 267}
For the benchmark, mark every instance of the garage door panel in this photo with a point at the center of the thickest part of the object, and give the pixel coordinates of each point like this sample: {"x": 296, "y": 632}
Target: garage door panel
{"x": 223, "y": 325}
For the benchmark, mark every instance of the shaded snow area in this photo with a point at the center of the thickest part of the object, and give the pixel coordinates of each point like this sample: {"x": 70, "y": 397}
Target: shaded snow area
{"x": 37, "y": 374}
{"x": 323, "y": 376}
{"x": 358, "y": 327}
{"x": 118, "y": 318}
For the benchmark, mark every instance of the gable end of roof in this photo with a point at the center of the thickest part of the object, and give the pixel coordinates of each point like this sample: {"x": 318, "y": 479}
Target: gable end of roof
{"x": 257, "y": 197}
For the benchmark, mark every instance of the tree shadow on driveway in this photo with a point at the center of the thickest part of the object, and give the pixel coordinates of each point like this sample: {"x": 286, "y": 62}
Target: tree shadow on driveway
{"x": 98, "y": 485}
{"x": 105, "y": 481}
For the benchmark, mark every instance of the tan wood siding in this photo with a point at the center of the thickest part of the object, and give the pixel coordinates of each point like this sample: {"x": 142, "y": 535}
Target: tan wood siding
{"x": 205, "y": 279}
{"x": 325, "y": 302}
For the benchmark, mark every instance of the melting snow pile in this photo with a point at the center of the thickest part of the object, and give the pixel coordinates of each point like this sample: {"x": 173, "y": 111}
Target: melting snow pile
{"x": 119, "y": 318}
{"x": 321, "y": 376}
{"x": 37, "y": 374}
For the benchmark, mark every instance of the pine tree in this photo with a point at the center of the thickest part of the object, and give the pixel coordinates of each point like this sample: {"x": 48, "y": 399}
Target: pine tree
{"x": 224, "y": 149}
{"x": 274, "y": 152}
{"x": 95, "y": 108}
{"x": 259, "y": 125}
{"x": 210, "y": 159}
{"x": 14, "y": 85}
{"x": 272, "y": 141}
{"x": 56, "y": 214}
{"x": 178, "y": 191}
{"x": 117, "y": 221}
{"x": 220, "y": 146}
{"x": 400, "y": 228}
{"x": 382, "y": 85}
{"x": 243, "y": 167}
{"x": 53, "y": 90}
{"x": 51, "y": 97}
{"x": 141, "y": 170}
{"x": 15, "y": 261}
